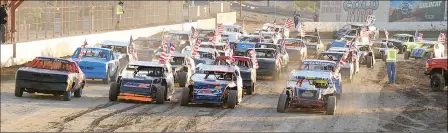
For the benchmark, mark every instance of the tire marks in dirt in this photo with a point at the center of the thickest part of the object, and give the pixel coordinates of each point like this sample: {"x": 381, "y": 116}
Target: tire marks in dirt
{"x": 97, "y": 121}
{"x": 60, "y": 125}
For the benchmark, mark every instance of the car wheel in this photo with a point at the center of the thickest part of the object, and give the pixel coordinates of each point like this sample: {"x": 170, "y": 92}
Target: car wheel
{"x": 182, "y": 79}
{"x": 185, "y": 97}
{"x": 231, "y": 99}
{"x": 113, "y": 91}
{"x": 18, "y": 92}
{"x": 402, "y": 50}
{"x": 249, "y": 90}
{"x": 78, "y": 93}
{"x": 160, "y": 96}
{"x": 282, "y": 102}
{"x": 437, "y": 82}
{"x": 331, "y": 105}
{"x": 407, "y": 54}
{"x": 369, "y": 61}
{"x": 67, "y": 96}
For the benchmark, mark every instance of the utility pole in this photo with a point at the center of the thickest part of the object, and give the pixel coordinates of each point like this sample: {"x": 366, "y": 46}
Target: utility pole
{"x": 241, "y": 7}
{"x": 275, "y": 7}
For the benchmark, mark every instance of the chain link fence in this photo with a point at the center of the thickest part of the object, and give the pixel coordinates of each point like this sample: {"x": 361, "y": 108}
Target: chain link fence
{"x": 37, "y": 20}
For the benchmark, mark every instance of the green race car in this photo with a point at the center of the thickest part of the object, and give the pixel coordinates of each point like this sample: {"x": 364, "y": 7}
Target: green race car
{"x": 418, "y": 50}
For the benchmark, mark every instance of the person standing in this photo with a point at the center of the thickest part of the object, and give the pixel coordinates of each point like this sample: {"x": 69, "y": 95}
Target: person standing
{"x": 119, "y": 11}
{"x": 3, "y": 21}
{"x": 391, "y": 63}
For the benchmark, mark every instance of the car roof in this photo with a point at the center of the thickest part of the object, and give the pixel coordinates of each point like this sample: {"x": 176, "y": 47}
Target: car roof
{"x": 178, "y": 32}
{"x": 242, "y": 58}
{"x": 218, "y": 68}
{"x": 231, "y": 26}
{"x": 114, "y": 43}
{"x": 408, "y": 35}
{"x": 319, "y": 62}
{"x": 147, "y": 39}
{"x": 209, "y": 50}
{"x": 106, "y": 49}
{"x": 311, "y": 74}
{"x": 216, "y": 43}
{"x": 146, "y": 63}
{"x": 54, "y": 58}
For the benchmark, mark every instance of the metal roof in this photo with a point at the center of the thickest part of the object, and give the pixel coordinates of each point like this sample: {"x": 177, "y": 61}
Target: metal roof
{"x": 114, "y": 43}
{"x": 146, "y": 63}
{"x": 312, "y": 74}
{"x": 218, "y": 68}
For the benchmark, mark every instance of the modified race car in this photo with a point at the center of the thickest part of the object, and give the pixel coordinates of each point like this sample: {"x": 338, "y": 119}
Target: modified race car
{"x": 144, "y": 81}
{"x": 98, "y": 63}
{"x": 50, "y": 76}
{"x": 348, "y": 69}
{"x": 421, "y": 50}
{"x": 216, "y": 84}
{"x": 247, "y": 69}
{"x": 365, "y": 54}
{"x": 321, "y": 65}
{"x": 270, "y": 63}
{"x": 147, "y": 47}
{"x": 309, "y": 89}
{"x": 296, "y": 49}
{"x": 401, "y": 41}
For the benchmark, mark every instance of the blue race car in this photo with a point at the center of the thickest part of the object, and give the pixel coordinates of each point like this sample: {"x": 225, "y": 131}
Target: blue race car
{"x": 215, "y": 84}
{"x": 245, "y": 43}
{"x": 98, "y": 63}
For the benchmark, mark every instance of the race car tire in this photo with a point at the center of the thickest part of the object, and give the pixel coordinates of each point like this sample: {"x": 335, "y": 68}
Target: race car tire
{"x": 407, "y": 55}
{"x": 402, "y": 50}
{"x": 18, "y": 92}
{"x": 67, "y": 96}
{"x": 182, "y": 79}
{"x": 250, "y": 90}
{"x": 113, "y": 91}
{"x": 160, "y": 96}
{"x": 428, "y": 56}
{"x": 437, "y": 82}
{"x": 232, "y": 99}
{"x": 331, "y": 105}
{"x": 281, "y": 105}
{"x": 369, "y": 61}
{"x": 78, "y": 92}
{"x": 185, "y": 97}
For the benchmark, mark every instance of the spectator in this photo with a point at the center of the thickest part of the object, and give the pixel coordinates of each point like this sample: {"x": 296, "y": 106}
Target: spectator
{"x": 316, "y": 17}
{"x": 391, "y": 63}
{"x": 119, "y": 12}
{"x": 3, "y": 21}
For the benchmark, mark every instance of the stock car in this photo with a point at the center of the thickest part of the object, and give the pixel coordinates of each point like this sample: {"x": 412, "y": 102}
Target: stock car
{"x": 98, "y": 63}
{"x": 183, "y": 67}
{"x": 348, "y": 70}
{"x": 402, "y": 41}
{"x": 296, "y": 49}
{"x": 423, "y": 49}
{"x": 323, "y": 65}
{"x": 147, "y": 47}
{"x": 144, "y": 81}
{"x": 247, "y": 69}
{"x": 215, "y": 84}
{"x": 365, "y": 54}
{"x": 119, "y": 48}
{"x": 309, "y": 89}
{"x": 219, "y": 46}
{"x": 280, "y": 51}
{"x": 245, "y": 43}
{"x": 206, "y": 56}
{"x": 50, "y": 76}
{"x": 179, "y": 38}
{"x": 313, "y": 44}
{"x": 270, "y": 63}
{"x": 232, "y": 32}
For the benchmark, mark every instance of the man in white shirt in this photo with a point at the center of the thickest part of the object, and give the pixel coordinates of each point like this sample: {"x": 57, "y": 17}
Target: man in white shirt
{"x": 439, "y": 50}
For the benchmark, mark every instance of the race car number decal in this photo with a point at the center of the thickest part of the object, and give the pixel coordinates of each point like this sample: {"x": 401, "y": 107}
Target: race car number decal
{"x": 137, "y": 85}
{"x": 205, "y": 91}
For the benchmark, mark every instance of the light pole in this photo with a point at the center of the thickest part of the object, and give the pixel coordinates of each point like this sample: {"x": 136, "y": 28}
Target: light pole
{"x": 275, "y": 8}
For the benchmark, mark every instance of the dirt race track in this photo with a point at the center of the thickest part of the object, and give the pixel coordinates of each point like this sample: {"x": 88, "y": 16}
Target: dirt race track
{"x": 367, "y": 105}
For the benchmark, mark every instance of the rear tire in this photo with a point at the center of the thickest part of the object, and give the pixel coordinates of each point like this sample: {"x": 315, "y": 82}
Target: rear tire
{"x": 251, "y": 90}
{"x": 113, "y": 91}
{"x": 185, "y": 97}
{"x": 407, "y": 55}
{"x": 18, "y": 92}
{"x": 369, "y": 61}
{"x": 331, "y": 105}
{"x": 78, "y": 92}
{"x": 437, "y": 82}
{"x": 160, "y": 96}
{"x": 182, "y": 79}
{"x": 67, "y": 96}
{"x": 281, "y": 105}
{"x": 231, "y": 99}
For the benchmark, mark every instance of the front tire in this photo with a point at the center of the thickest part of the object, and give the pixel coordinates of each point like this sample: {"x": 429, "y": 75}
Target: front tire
{"x": 67, "y": 96}
{"x": 369, "y": 61}
{"x": 182, "y": 79}
{"x": 113, "y": 91}
{"x": 282, "y": 102}
{"x": 160, "y": 96}
{"x": 407, "y": 54}
{"x": 18, "y": 92}
{"x": 231, "y": 99}
{"x": 331, "y": 105}
{"x": 185, "y": 97}
{"x": 437, "y": 82}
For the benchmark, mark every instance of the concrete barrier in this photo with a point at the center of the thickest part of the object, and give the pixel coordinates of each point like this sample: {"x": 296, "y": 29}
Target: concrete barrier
{"x": 396, "y": 26}
{"x": 226, "y": 18}
{"x": 207, "y": 23}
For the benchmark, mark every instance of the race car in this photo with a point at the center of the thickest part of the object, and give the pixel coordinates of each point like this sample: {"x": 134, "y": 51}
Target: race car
{"x": 99, "y": 63}
{"x": 206, "y": 56}
{"x": 50, "y": 76}
{"x": 179, "y": 39}
{"x": 144, "y": 81}
{"x": 247, "y": 69}
{"x": 351, "y": 51}
{"x": 219, "y": 46}
{"x": 215, "y": 84}
{"x": 181, "y": 66}
{"x": 270, "y": 63}
{"x": 119, "y": 48}
{"x": 309, "y": 90}
{"x": 401, "y": 41}
{"x": 348, "y": 70}
{"x": 147, "y": 47}
{"x": 338, "y": 44}
{"x": 365, "y": 54}
{"x": 349, "y": 29}
{"x": 270, "y": 37}
{"x": 232, "y": 32}
{"x": 280, "y": 51}
{"x": 419, "y": 50}
{"x": 322, "y": 65}
{"x": 296, "y": 49}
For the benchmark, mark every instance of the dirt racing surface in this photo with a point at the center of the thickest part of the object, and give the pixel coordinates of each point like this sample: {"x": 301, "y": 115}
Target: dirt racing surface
{"x": 367, "y": 105}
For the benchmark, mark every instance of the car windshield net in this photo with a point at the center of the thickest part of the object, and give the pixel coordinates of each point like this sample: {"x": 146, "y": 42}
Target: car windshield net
{"x": 262, "y": 53}
{"x": 316, "y": 67}
{"x": 177, "y": 60}
{"x": 52, "y": 64}
{"x": 148, "y": 71}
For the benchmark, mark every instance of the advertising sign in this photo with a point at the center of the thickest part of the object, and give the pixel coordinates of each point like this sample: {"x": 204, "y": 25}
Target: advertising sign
{"x": 416, "y": 11}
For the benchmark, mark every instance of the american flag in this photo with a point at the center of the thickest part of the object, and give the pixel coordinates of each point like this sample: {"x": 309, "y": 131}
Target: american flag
{"x": 172, "y": 47}
{"x": 283, "y": 42}
{"x": 213, "y": 39}
{"x": 420, "y": 36}
{"x": 289, "y": 23}
{"x": 220, "y": 28}
{"x": 163, "y": 55}
{"x": 132, "y": 49}
{"x": 82, "y": 52}
{"x": 196, "y": 47}
{"x": 387, "y": 34}
{"x": 442, "y": 38}
{"x": 194, "y": 33}
{"x": 344, "y": 59}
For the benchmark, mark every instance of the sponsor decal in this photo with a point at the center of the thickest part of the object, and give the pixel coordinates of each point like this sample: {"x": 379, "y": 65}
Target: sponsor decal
{"x": 137, "y": 85}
